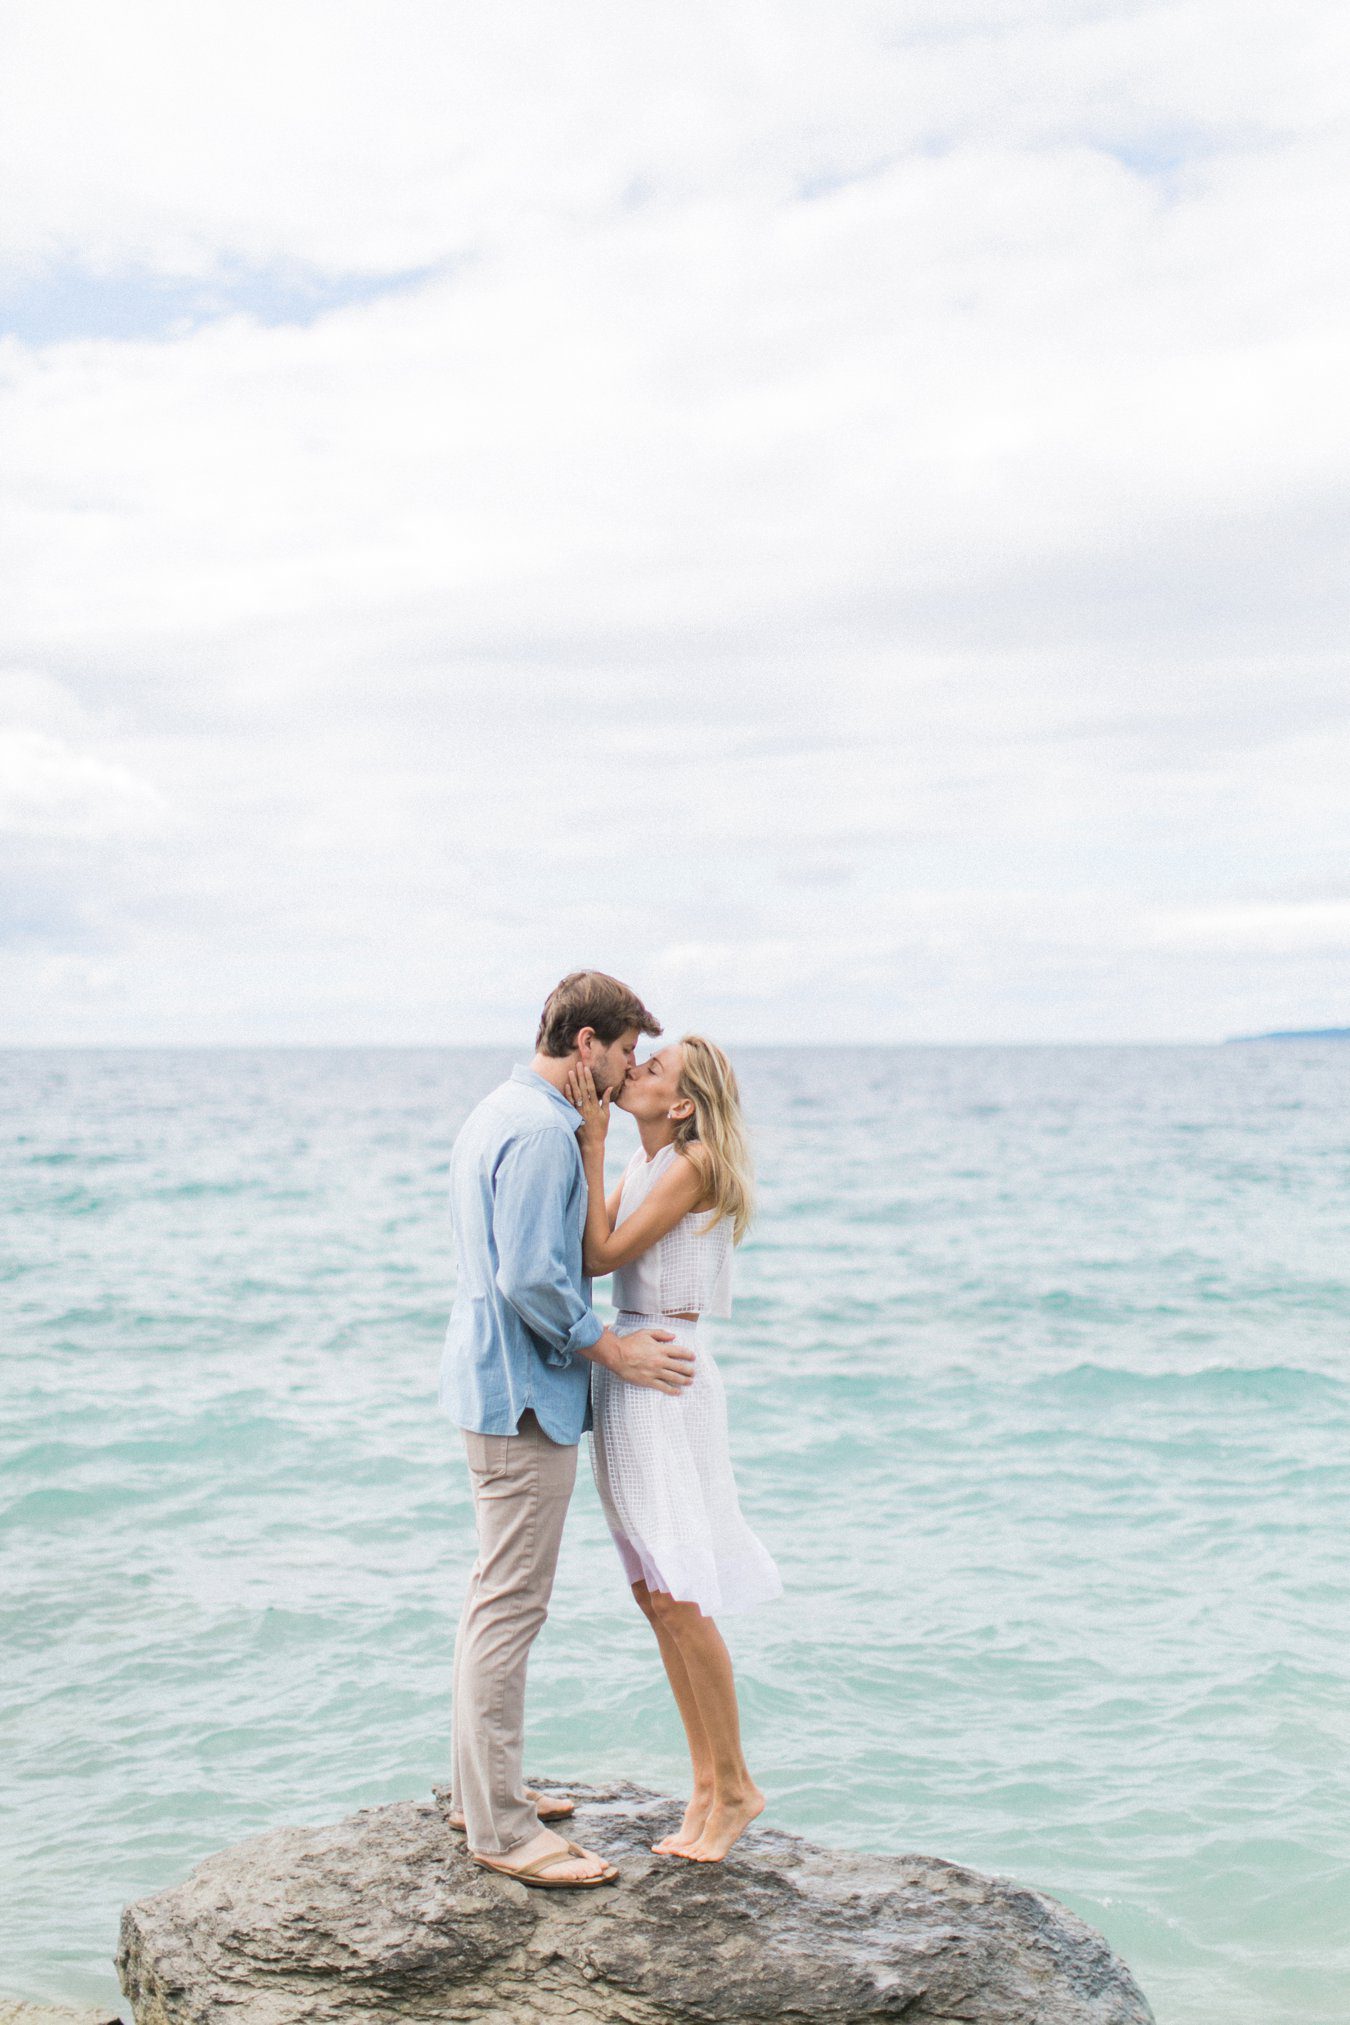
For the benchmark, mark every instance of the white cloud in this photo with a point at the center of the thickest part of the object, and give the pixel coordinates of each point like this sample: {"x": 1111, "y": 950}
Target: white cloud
{"x": 853, "y": 500}
{"x": 1312, "y": 926}
{"x": 49, "y": 789}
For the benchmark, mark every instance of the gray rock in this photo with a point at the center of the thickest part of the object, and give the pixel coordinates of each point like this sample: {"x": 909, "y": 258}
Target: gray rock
{"x": 384, "y": 1917}
{"x": 18, "y": 2011}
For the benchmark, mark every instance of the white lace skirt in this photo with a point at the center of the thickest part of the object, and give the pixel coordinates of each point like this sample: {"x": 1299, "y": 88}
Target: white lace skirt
{"x": 663, "y": 1469}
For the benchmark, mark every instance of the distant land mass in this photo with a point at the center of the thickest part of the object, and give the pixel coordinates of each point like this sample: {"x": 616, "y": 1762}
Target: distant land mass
{"x": 1299, "y": 1034}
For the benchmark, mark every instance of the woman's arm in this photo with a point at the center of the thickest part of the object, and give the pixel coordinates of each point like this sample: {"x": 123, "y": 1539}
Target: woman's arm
{"x": 677, "y": 1192}
{"x": 600, "y": 1212}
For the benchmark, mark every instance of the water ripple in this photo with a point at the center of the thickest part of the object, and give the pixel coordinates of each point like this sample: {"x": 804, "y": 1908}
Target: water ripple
{"x": 1038, "y": 1396}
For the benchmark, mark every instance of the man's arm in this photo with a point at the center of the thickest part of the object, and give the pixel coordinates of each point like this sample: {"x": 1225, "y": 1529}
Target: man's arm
{"x": 529, "y": 1210}
{"x": 531, "y": 1186}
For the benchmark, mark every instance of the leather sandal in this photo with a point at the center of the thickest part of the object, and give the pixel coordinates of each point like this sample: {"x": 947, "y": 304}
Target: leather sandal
{"x": 532, "y": 1873}
{"x": 547, "y": 1810}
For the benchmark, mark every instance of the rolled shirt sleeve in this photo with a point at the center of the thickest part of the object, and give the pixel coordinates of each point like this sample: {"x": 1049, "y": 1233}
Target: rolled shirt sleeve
{"x": 533, "y": 1198}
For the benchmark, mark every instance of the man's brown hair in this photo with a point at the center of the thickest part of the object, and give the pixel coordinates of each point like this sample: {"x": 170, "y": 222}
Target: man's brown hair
{"x": 588, "y": 998}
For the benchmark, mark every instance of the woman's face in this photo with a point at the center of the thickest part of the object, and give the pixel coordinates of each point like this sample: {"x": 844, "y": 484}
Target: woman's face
{"x": 653, "y": 1086}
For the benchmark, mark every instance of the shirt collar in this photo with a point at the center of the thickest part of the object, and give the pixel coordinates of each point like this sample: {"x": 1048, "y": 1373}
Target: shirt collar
{"x": 532, "y": 1081}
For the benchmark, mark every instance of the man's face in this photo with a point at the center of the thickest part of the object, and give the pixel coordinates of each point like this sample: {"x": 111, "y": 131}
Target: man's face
{"x": 609, "y": 1065}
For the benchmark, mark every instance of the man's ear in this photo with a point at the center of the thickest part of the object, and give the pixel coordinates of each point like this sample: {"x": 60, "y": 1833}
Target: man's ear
{"x": 585, "y": 1042}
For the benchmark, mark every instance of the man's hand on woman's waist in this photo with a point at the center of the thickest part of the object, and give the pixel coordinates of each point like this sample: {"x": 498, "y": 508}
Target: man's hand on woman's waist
{"x": 648, "y": 1357}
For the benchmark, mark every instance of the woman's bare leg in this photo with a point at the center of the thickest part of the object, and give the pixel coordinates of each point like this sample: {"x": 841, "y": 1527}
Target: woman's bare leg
{"x": 736, "y": 1799}
{"x": 700, "y": 1753}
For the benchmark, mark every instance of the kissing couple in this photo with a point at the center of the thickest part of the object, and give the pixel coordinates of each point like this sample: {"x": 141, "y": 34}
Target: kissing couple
{"x": 528, "y": 1368}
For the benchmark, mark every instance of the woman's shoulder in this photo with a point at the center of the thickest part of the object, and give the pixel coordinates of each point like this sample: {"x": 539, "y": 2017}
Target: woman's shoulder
{"x": 670, "y": 1158}
{"x": 675, "y": 1166}
{"x": 698, "y": 1158}
{"x": 681, "y": 1166}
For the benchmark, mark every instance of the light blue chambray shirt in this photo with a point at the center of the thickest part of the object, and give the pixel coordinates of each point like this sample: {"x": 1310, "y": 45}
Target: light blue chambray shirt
{"x": 522, "y": 1308}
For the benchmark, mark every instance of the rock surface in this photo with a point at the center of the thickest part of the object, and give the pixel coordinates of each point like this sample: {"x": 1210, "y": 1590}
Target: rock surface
{"x": 18, "y": 2011}
{"x": 384, "y": 1917}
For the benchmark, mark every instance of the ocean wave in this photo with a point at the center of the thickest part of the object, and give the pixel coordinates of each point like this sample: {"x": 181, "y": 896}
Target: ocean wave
{"x": 1290, "y": 1384}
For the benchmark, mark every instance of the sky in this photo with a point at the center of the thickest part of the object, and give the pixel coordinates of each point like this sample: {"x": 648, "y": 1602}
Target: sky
{"x": 834, "y": 514}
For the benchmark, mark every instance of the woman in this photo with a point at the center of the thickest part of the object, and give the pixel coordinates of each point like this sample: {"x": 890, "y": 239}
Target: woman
{"x": 661, "y": 1460}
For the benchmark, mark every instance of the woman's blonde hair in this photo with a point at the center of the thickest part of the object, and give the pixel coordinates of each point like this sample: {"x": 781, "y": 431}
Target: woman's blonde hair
{"x": 708, "y": 1079}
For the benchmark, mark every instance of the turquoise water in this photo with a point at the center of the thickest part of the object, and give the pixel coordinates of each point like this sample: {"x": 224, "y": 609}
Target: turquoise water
{"x": 1039, "y": 1397}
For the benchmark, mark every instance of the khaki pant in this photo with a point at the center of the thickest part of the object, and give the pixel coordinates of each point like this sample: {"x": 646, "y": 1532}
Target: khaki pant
{"x": 521, "y": 1486}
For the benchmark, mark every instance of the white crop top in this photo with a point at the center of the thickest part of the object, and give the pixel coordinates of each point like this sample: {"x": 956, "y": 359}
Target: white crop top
{"x": 688, "y": 1271}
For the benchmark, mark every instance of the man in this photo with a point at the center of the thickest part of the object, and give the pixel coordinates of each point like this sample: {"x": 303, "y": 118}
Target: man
{"x": 516, "y": 1377}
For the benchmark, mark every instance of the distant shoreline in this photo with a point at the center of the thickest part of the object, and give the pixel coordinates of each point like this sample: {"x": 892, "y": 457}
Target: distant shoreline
{"x": 1296, "y": 1034}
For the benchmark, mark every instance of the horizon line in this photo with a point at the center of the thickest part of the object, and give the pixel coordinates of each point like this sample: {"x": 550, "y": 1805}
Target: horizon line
{"x": 502, "y": 1046}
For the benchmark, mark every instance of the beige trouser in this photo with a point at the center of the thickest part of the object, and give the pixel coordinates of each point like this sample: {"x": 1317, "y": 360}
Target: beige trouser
{"x": 521, "y": 1486}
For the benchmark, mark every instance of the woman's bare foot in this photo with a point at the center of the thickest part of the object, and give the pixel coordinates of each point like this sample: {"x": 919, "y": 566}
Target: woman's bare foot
{"x": 727, "y": 1821}
{"x": 695, "y": 1820}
